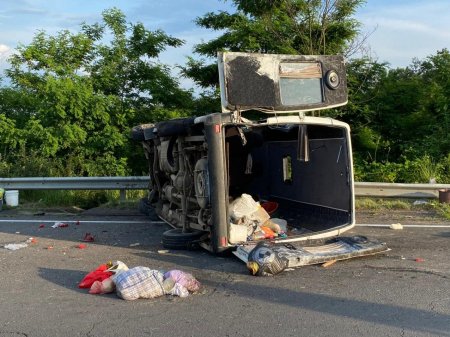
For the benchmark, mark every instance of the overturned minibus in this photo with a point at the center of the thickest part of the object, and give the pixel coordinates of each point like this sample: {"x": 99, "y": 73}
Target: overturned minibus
{"x": 266, "y": 147}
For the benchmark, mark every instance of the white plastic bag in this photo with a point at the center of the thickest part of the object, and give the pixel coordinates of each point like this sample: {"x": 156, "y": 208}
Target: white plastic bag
{"x": 243, "y": 206}
{"x": 246, "y": 210}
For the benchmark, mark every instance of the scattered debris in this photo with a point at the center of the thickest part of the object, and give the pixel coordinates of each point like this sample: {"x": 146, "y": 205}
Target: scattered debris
{"x": 266, "y": 259}
{"x": 49, "y": 247}
{"x": 329, "y": 263}
{"x": 270, "y": 206}
{"x": 41, "y": 225}
{"x": 88, "y": 237}
{"x": 396, "y": 226}
{"x": 99, "y": 274}
{"x": 419, "y": 259}
{"x": 20, "y": 245}
{"x": 104, "y": 287}
{"x": 116, "y": 266}
{"x": 77, "y": 223}
{"x": 138, "y": 282}
{"x": 420, "y": 202}
{"x": 81, "y": 246}
{"x": 134, "y": 244}
{"x": 251, "y": 221}
{"x": 185, "y": 279}
{"x": 15, "y": 246}
{"x": 163, "y": 251}
{"x": 60, "y": 225}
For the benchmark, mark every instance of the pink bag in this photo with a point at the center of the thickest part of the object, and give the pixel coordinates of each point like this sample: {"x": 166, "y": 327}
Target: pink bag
{"x": 185, "y": 279}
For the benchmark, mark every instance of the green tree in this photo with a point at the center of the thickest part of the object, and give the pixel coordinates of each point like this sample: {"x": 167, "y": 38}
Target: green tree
{"x": 410, "y": 107}
{"x": 278, "y": 26}
{"x": 435, "y": 112}
{"x": 397, "y": 113}
{"x": 364, "y": 80}
{"x": 89, "y": 88}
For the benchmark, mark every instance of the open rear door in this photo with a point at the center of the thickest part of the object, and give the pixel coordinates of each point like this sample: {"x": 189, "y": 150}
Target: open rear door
{"x": 281, "y": 83}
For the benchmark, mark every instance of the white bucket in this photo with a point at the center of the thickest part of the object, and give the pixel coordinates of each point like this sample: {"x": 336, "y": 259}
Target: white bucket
{"x": 12, "y": 198}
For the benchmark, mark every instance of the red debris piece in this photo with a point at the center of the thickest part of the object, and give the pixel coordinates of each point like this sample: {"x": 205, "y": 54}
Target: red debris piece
{"x": 33, "y": 240}
{"x": 41, "y": 225}
{"x": 81, "y": 246}
{"x": 77, "y": 223}
{"x": 60, "y": 225}
{"x": 88, "y": 238}
{"x": 50, "y": 247}
{"x": 98, "y": 274}
{"x": 270, "y": 206}
{"x": 419, "y": 259}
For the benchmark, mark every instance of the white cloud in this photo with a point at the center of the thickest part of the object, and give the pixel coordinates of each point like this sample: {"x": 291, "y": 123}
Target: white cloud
{"x": 406, "y": 30}
{"x": 5, "y": 51}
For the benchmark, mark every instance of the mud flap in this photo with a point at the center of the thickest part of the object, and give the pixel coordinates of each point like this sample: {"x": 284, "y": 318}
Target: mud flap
{"x": 341, "y": 248}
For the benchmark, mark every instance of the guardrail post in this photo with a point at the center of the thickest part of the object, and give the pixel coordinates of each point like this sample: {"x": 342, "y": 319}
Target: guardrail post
{"x": 123, "y": 195}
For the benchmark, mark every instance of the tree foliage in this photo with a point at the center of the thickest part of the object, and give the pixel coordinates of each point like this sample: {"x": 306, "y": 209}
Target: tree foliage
{"x": 401, "y": 116}
{"x": 76, "y": 95}
{"x": 277, "y": 26}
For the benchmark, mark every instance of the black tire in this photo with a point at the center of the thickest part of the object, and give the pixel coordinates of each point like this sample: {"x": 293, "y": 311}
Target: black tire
{"x": 146, "y": 208}
{"x": 176, "y": 239}
{"x": 175, "y": 127}
{"x": 138, "y": 132}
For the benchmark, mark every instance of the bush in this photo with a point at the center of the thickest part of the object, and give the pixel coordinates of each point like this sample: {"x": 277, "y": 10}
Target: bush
{"x": 419, "y": 170}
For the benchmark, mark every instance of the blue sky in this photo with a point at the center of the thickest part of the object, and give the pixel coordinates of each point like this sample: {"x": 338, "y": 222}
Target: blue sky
{"x": 401, "y": 29}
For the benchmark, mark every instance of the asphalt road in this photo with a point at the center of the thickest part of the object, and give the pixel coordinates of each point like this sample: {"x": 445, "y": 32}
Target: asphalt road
{"x": 385, "y": 295}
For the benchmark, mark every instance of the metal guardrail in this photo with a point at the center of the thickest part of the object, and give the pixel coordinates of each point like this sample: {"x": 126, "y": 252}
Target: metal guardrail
{"x": 77, "y": 183}
{"x": 399, "y": 190}
{"x": 141, "y": 183}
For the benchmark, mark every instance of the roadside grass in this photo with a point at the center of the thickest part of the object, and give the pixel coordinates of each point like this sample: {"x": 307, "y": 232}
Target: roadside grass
{"x": 111, "y": 199}
{"x": 441, "y": 209}
{"x": 379, "y": 204}
{"x": 383, "y": 204}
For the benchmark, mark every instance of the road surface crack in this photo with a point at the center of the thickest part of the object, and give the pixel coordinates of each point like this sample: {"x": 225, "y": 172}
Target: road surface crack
{"x": 12, "y": 333}
{"x": 409, "y": 270}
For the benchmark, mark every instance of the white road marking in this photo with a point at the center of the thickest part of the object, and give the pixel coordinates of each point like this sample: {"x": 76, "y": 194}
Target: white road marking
{"x": 80, "y": 221}
{"x": 162, "y": 222}
{"x": 406, "y": 226}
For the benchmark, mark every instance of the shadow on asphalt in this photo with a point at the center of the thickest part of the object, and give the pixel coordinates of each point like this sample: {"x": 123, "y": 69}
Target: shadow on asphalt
{"x": 199, "y": 259}
{"x": 384, "y": 314}
{"x": 444, "y": 234}
{"x": 63, "y": 277}
{"x": 110, "y": 234}
{"x": 147, "y": 235}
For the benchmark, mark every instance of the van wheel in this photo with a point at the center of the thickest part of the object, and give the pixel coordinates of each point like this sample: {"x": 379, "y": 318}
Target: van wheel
{"x": 138, "y": 131}
{"x": 177, "y": 239}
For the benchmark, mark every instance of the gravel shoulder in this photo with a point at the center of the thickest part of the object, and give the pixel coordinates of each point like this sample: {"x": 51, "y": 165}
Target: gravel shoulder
{"x": 405, "y": 217}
